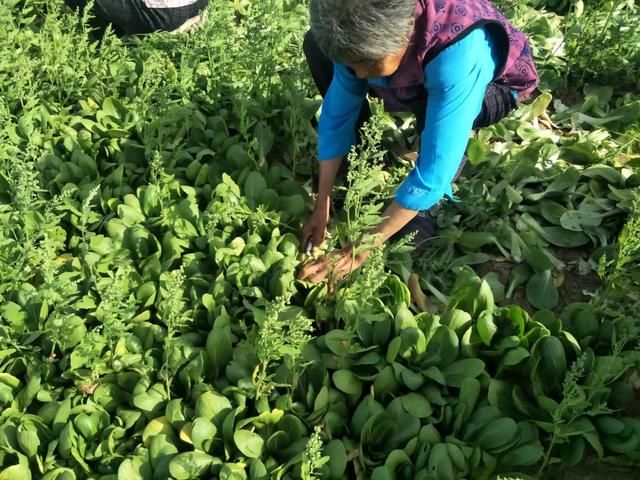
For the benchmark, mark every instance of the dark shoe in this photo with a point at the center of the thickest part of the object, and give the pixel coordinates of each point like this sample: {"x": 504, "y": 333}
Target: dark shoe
{"x": 423, "y": 227}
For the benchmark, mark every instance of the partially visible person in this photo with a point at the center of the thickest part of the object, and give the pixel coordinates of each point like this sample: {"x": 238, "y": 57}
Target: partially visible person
{"x": 143, "y": 16}
{"x": 457, "y": 65}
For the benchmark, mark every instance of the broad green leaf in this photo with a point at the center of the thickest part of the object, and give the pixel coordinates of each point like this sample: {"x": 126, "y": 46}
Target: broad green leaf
{"x": 476, "y": 240}
{"x": 572, "y": 452}
{"x": 541, "y": 291}
{"x": 429, "y": 435}
{"x": 294, "y": 205}
{"x": 219, "y": 349}
{"x": 151, "y": 400}
{"x": 442, "y": 348}
{"x": 254, "y": 185}
{"x": 476, "y": 258}
{"x": 497, "y": 433}
{"x": 203, "y": 432}
{"x": 237, "y": 157}
{"x": 112, "y": 107}
{"x": 565, "y": 180}
{"x": 476, "y": 152}
{"x": 212, "y": 406}
{"x": 471, "y": 294}
{"x": 496, "y": 286}
{"x": 530, "y": 133}
{"x": 435, "y": 374}
{"x": 577, "y": 220}
{"x": 552, "y": 211}
{"x": 62, "y": 416}
{"x": 13, "y": 314}
{"x": 609, "y": 425}
{"x": 537, "y": 257}
{"x": 500, "y": 396}
{"x": 457, "y": 457}
{"x": 366, "y": 409}
{"x": 606, "y": 172}
{"x": 623, "y": 116}
{"x": 270, "y": 199}
{"x": 519, "y": 319}
{"x": 404, "y": 319}
{"x": 440, "y": 463}
{"x": 594, "y": 440}
{"x": 396, "y": 460}
{"x": 417, "y": 405}
{"x": 393, "y": 349}
{"x": 16, "y": 472}
{"x": 233, "y": 471}
{"x": 337, "y": 454}
{"x": 161, "y": 451}
{"x": 63, "y": 474}
{"x": 258, "y": 470}
{"x": 523, "y": 456}
{"x": 265, "y": 137}
{"x": 28, "y": 439}
{"x": 249, "y": 443}
{"x": 457, "y": 320}
{"x": 156, "y": 427}
{"x": 523, "y": 404}
{"x": 346, "y": 382}
{"x": 136, "y": 468}
{"x": 456, "y": 373}
{"x": 518, "y": 276}
{"x": 470, "y": 389}
{"x": 189, "y": 465}
{"x": 538, "y": 107}
{"x": 410, "y": 378}
{"x": 515, "y": 356}
{"x": 338, "y": 341}
{"x": 382, "y": 473}
{"x": 552, "y": 364}
{"x": 486, "y": 327}
{"x": 399, "y": 289}
{"x": 9, "y": 380}
{"x": 602, "y": 95}
{"x": 561, "y": 237}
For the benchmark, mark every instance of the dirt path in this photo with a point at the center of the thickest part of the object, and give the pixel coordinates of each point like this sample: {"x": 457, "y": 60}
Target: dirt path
{"x": 595, "y": 471}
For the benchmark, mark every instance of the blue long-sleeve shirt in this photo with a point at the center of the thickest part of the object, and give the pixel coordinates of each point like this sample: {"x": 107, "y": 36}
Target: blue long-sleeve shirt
{"x": 456, "y": 80}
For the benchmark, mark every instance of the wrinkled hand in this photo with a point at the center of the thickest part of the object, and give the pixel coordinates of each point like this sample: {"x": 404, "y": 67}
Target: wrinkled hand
{"x": 333, "y": 266}
{"x": 316, "y": 226}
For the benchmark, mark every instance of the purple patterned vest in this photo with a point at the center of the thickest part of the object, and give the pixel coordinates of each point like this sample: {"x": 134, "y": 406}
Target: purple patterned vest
{"x": 440, "y": 23}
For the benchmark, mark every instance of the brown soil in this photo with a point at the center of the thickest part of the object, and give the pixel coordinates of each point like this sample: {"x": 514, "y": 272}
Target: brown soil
{"x": 569, "y": 96}
{"x": 593, "y": 470}
{"x": 576, "y": 286}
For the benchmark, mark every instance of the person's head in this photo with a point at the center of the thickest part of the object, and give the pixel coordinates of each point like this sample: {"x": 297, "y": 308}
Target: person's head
{"x": 370, "y": 36}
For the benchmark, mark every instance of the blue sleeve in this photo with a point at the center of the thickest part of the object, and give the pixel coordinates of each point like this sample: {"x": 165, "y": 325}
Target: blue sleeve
{"x": 456, "y": 80}
{"x": 340, "y": 110}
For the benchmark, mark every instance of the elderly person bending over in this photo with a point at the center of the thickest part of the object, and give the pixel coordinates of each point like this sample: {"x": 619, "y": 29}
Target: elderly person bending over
{"x": 143, "y": 16}
{"x": 457, "y": 65}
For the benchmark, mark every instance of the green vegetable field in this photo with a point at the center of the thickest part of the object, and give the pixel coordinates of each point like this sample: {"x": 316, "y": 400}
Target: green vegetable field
{"x": 152, "y": 190}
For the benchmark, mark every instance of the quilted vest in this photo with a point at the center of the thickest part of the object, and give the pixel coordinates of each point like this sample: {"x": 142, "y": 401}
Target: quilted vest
{"x": 441, "y": 23}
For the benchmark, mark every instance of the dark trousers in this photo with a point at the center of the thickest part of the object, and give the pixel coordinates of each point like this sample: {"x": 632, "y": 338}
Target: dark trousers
{"x": 498, "y": 99}
{"x": 133, "y": 16}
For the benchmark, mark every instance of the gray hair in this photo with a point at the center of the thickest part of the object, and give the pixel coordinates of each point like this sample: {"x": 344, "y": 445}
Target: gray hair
{"x": 361, "y": 30}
